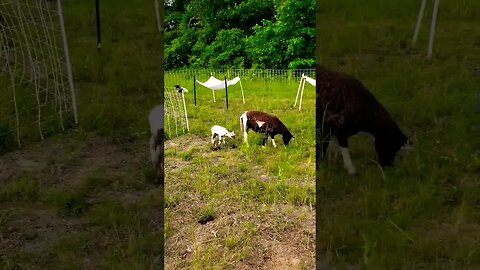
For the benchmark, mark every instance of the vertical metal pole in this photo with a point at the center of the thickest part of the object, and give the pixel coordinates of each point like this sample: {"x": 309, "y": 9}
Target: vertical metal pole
{"x": 226, "y": 92}
{"x": 99, "y": 34}
{"x": 157, "y": 16}
{"x": 419, "y": 21}
{"x": 432, "y": 28}
{"x": 67, "y": 59}
{"x": 194, "y": 91}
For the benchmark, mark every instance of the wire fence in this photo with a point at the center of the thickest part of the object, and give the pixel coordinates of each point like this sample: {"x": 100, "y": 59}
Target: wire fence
{"x": 36, "y": 94}
{"x": 176, "y": 117}
{"x": 173, "y": 77}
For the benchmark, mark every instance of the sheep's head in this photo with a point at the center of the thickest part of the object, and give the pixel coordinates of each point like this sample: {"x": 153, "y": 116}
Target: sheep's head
{"x": 387, "y": 148}
{"x": 287, "y": 138}
{"x": 230, "y": 134}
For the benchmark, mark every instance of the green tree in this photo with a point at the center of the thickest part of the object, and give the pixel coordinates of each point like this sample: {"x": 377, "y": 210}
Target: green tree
{"x": 239, "y": 34}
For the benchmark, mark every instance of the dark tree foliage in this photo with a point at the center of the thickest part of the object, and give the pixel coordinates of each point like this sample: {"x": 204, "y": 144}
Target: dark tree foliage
{"x": 239, "y": 34}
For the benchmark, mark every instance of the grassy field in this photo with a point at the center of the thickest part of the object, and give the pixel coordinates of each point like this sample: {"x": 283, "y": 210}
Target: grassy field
{"x": 259, "y": 202}
{"x": 424, "y": 212}
{"x": 85, "y": 199}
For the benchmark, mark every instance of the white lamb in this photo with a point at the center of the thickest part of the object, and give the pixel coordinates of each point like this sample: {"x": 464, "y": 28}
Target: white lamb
{"x": 220, "y": 133}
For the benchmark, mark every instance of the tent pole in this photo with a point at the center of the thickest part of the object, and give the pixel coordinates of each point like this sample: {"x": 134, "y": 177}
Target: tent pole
{"x": 194, "y": 91}
{"x": 419, "y": 21}
{"x": 432, "y": 28}
{"x": 241, "y": 87}
{"x": 226, "y": 92}
{"x": 301, "y": 95}
{"x": 298, "y": 90}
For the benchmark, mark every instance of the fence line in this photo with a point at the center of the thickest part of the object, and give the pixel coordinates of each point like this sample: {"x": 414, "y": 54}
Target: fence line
{"x": 284, "y": 75}
{"x": 35, "y": 84}
{"x": 175, "y": 115}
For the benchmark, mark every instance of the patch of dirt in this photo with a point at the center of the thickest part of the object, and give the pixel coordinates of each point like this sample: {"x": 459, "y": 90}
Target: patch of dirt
{"x": 64, "y": 163}
{"x": 186, "y": 143}
{"x": 271, "y": 248}
{"x": 174, "y": 165}
{"x": 33, "y": 230}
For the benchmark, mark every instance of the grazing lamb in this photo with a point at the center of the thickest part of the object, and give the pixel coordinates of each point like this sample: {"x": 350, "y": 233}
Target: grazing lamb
{"x": 264, "y": 123}
{"x": 220, "y": 133}
{"x": 344, "y": 108}
{"x": 155, "y": 119}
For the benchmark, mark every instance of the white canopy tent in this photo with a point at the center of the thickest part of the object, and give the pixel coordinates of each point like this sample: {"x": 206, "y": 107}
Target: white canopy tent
{"x": 302, "y": 86}
{"x": 216, "y": 84}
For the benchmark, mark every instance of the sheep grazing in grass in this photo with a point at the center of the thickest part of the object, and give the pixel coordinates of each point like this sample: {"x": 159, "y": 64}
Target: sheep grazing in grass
{"x": 264, "y": 123}
{"x": 344, "y": 108}
{"x": 218, "y": 135}
{"x": 155, "y": 119}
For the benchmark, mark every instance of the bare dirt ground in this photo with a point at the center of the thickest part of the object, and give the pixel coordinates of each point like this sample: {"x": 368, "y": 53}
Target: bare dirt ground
{"x": 248, "y": 235}
{"x": 32, "y": 226}
{"x": 35, "y": 234}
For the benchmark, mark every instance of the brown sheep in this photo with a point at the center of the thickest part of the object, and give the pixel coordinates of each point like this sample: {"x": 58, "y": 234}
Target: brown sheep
{"x": 344, "y": 108}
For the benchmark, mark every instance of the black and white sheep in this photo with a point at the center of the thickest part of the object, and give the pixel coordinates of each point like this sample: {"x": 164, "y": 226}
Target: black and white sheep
{"x": 344, "y": 108}
{"x": 264, "y": 123}
{"x": 155, "y": 119}
{"x": 218, "y": 135}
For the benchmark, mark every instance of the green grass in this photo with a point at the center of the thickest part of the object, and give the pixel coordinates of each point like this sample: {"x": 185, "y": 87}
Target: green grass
{"x": 249, "y": 197}
{"x": 85, "y": 199}
{"x": 423, "y": 212}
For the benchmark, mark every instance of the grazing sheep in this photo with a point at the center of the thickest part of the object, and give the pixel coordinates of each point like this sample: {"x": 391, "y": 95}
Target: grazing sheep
{"x": 155, "y": 119}
{"x": 344, "y": 108}
{"x": 220, "y": 133}
{"x": 264, "y": 123}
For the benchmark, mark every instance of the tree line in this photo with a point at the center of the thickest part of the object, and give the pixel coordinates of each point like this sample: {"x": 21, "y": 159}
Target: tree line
{"x": 239, "y": 34}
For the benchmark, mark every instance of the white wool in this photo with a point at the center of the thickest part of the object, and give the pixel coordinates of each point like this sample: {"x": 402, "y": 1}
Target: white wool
{"x": 219, "y": 130}
{"x": 155, "y": 119}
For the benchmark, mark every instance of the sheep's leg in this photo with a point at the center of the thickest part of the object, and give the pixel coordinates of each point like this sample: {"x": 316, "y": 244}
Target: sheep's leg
{"x": 347, "y": 160}
{"x": 265, "y": 139}
{"x": 273, "y": 142}
{"x": 213, "y": 138}
{"x": 153, "y": 154}
{"x": 157, "y": 155}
